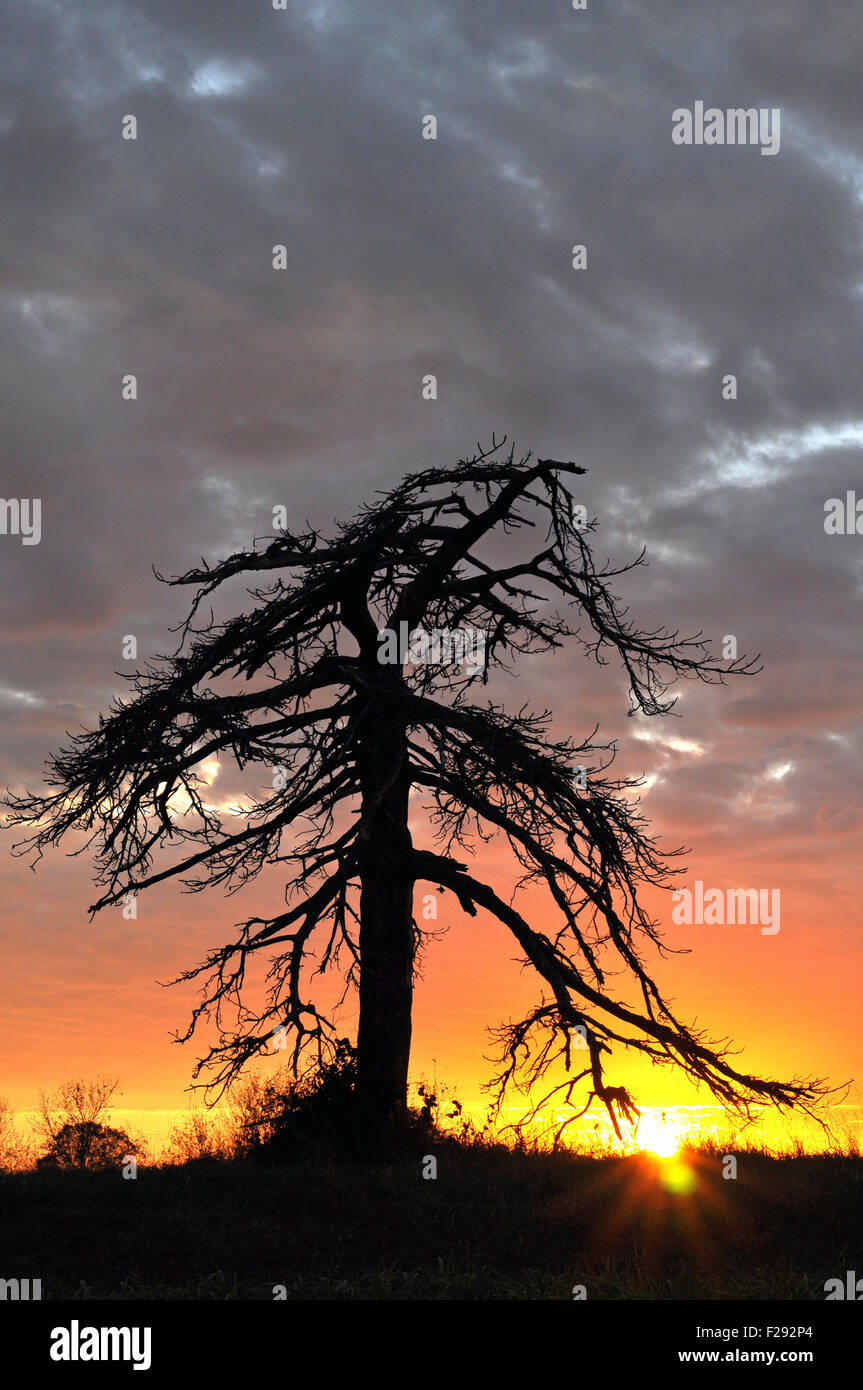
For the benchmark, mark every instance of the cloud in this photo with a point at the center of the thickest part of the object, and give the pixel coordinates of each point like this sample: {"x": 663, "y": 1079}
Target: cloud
{"x": 302, "y": 387}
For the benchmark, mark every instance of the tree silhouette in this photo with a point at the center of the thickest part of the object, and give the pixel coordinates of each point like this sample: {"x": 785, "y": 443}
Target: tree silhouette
{"x": 72, "y": 1123}
{"x": 90, "y": 1145}
{"x": 351, "y": 732}
{"x": 14, "y": 1152}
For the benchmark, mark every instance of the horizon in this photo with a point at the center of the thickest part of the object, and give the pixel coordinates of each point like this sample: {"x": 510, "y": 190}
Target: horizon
{"x": 267, "y": 263}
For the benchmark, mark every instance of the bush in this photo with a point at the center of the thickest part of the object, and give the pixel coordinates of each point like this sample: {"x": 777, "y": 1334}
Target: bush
{"x": 312, "y": 1116}
{"x": 88, "y": 1145}
{"x": 282, "y": 1118}
{"x": 72, "y": 1124}
{"x": 198, "y": 1137}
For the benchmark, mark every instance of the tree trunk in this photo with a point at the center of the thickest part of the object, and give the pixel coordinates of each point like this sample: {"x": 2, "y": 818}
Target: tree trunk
{"x": 386, "y": 935}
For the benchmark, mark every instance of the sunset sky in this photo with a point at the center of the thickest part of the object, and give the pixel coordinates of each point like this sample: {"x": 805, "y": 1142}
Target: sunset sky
{"x": 303, "y": 387}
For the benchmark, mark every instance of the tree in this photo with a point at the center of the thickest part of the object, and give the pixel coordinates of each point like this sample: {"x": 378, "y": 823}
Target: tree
{"x": 14, "y": 1151}
{"x": 352, "y": 721}
{"x": 72, "y": 1125}
{"x": 90, "y": 1145}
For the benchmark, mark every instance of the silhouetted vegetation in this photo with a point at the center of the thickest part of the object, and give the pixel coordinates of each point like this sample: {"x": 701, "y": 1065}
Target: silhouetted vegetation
{"x": 88, "y": 1145}
{"x": 265, "y": 1195}
{"x": 318, "y": 685}
{"x": 495, "y": 1224}
{"x": 73, "y": 1129}
{"x": 317, "y": 1116}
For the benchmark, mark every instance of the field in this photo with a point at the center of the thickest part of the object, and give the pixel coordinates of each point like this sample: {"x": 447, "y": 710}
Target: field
{"x": 493, "y": 1224}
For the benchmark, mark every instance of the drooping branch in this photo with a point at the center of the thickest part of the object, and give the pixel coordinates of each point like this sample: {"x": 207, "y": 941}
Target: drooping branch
{"x": 298, "y": 686}
{"x": 663, "y": 1037}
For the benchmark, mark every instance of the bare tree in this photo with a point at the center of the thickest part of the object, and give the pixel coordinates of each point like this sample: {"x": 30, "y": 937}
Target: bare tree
{"x": 14, "y": 1151}
{"x": 306, "y": 683}
{"x": 72, "y": 1124}
{"x": 74, "y": 1103}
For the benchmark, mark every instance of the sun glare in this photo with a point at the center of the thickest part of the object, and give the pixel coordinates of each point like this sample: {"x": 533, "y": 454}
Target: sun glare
{"x": 658, "y": 1136}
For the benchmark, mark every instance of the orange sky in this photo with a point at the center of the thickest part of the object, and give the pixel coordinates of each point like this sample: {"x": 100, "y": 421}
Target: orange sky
{"x": 82, "y": 998}
{"x": 303, "y": 388}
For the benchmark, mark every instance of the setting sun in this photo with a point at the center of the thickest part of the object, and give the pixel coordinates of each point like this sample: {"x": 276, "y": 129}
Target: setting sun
{"x": 658, "y": 1136}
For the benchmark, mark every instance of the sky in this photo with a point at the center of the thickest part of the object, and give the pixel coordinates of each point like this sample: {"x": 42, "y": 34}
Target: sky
{"x": 302, "y": 387}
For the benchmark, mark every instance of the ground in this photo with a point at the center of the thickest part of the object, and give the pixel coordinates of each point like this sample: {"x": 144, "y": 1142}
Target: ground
{"x": 492, "y": 1225}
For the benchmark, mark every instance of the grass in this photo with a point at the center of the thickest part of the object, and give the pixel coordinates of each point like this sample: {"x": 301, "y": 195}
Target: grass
{"x": 495, "y": 1224}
